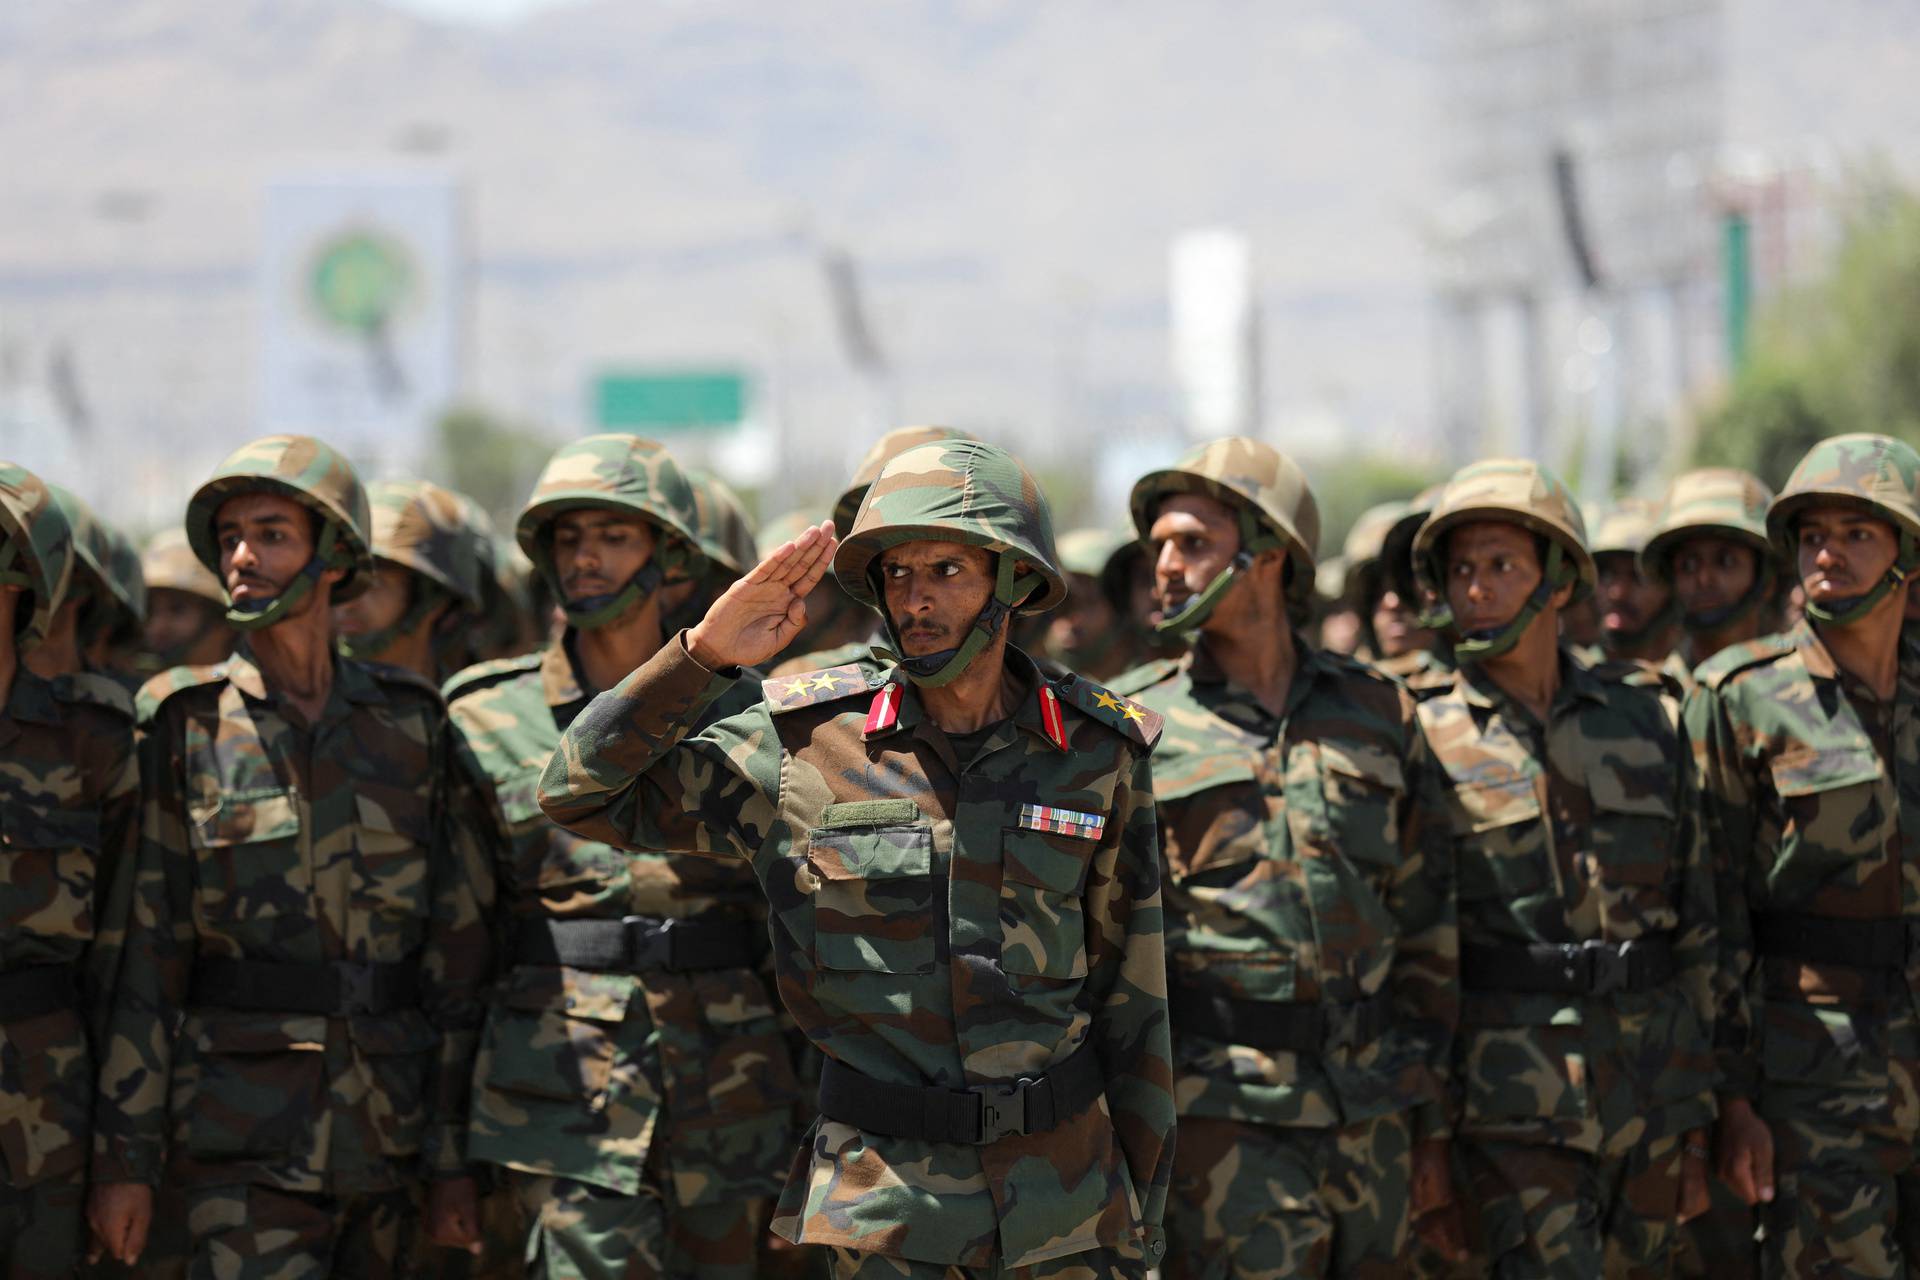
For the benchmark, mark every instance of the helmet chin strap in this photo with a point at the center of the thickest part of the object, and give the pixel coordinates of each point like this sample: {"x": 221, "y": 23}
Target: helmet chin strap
{"x": 1726, "y": 615}
{"x": 366, "y": 648}
{"x": 1192, "y": 615}
{"x": 590, "y": 612}
{"x": 936, "y": 670}
{"x": 330, "y": 552}
{"x": 1478, "y": 646}
{"x": 1844, "y": 613}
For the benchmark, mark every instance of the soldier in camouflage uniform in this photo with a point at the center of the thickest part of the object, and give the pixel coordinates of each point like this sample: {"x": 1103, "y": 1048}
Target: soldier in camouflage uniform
{"x": 104, "y": 601}
{"x": 1711, "y": 548}
{"x": 425, "y": 595}
{"x": 1096, "y": 632}
{"x": 297, "y": 1011}
{"x": 1805, "y": 740}
{"x": 1638, "y": 615}
{"x": 1311, "y": 947}
{"x": 1582, "y": 1069}
{"x": 633, "y": 1082}
{"x": 69, "y": 795}
{"x": 960, "y": 861}
{"x": 1410, "y": 609}
{"x": 186, "y": 622}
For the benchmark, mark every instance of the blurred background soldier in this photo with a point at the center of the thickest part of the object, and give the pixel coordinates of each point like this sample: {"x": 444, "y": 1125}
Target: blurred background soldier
{"x": 1409, "y": 615}
{"x": 291, "y": 1044}
{"x": 1313, "y": 978}
{"x": 959, "y": 855}
{"x": 1807, "y": 742}
{"x": 505, "y": 627}
{"x": 1583, "y": 1067}
{"x": 1712, "y": 550}
{"x": 724, "y": 531}
{"x": 1097, "y": 632}
{"x": 1638, "y": 615}
{"x": 99, "y": 616}
{"x": 634, "y": 1085}
{"x": 69, "y": 796}
{"x": 425, "y": 597}
{"x": 186, "y": 607}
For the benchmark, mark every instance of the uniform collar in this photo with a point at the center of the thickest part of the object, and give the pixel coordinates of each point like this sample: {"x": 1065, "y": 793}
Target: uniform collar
{"x": 902, "y": 709}
{"x": 32, "y": 700}
{"x": 352, "y": 681}
{"x": 1814, "y": 654}
{"x": 559, "y": 677}
{"x": 1310, "y": 667}
{"x": 1577, "y": 683}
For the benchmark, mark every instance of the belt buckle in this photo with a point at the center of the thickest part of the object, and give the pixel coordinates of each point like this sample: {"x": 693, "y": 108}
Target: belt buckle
{"x": 649, "y": 942}
{"x": 1609, "y": 967}
{"x": 1003, "y": 1109}
{"x": 355, "y": 983}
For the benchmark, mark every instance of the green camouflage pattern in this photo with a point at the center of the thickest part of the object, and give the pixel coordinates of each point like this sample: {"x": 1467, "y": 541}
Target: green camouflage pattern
{"x": 1518, "y": 491}
{"x": 112, "y": 601}
{"x": 1553, "y": 1211}
{"x": 884, "y": 450}
{"x": 580, "y": 1231}
{"x": 1802, "y": 768}
{"x": 1033, "y": 943}
{"x": 1367, "y": 539}
{"x": 43, "y": 1228}
{"x": 1720, "y": 500}
{"x": 254, "y": 1232}
{"x": 1424, "y": 672}
{"x": 1255, "y": 1200}
{"x": 168, "y": 564}
{"x": 1878, "y": 475}
{"x": 1251, "y": 476}
{"x": 1625, "y": 527}
{"x": 674, "y": 1084}
{"x": 1094, "y": 1264}
{"x": 962, "y": 491}
{"x": 1091, "y": 552}
{"x": 422, "y": 527}
{"x": 312, "y": 473}
{"x": 39, "y": 545}
{"x": 1301, "y": 867}
{"x": 1583, "y": 829}
{"x": 722, "y": 525}
{"x": 623, "y": 473}
{"x": 261, "y": 841}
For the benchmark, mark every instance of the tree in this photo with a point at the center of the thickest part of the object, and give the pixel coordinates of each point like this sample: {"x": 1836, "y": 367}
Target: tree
{"x": 491, "y": 460}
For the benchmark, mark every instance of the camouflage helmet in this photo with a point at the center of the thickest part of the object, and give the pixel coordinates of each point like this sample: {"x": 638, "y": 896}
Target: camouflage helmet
{"x": 722, "y": 525}
{"x": 1720, "y": 500}
{"x": 422, "y": 527}
{"x": 36, "y": 549}
{"x": 888, "y": 447}
{"x": 168, "y": 564}
{"x": 1396, "y": 553}
{"x": 1269, "y": 494}
{"x": 1520, "y": 492}
{"x": 624, "y": 473}
{"x": 1089, "y": 552}
{"x": 316, "y": 476}
{"x": 1624, "y": 528}
{"x": 1368, "y": 537}
{"x": 956, "y": 490}
{"x": 117, "y": 594}
{"x": 1875, "y": 475}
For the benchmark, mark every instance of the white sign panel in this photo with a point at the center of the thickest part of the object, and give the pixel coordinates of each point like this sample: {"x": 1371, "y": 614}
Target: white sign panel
{"x": 1214, "y": 333}
{"x": 361, "y": 309}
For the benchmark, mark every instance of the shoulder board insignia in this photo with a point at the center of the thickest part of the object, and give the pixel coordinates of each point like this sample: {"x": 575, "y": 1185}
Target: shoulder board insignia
{"x": 1144, "y": 676}
{"x": 1733, "y": 659}
{"x": 811, "y": 688}
{"x": 175, "y": 680}
{"x": 482, "y": 673}
{"x": 1122, "y": 715}
{"x": 96, "y": 690}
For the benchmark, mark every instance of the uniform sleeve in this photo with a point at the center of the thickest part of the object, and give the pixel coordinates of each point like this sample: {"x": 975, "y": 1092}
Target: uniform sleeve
{"x": 130, "y": 1125}
{"x": 1696, "y": 949}
{"x": 113, "y": 879}
{"x": 1127, "y": 978}
{"x": 631, "y": 771}
{"x": 1726, "y": 823}
{"x": 1425, "y": 979}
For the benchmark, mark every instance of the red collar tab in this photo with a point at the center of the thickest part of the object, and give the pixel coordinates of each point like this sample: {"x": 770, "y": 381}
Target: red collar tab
{"x": 885, "y": 708}
{"x": 1051, "y": 718}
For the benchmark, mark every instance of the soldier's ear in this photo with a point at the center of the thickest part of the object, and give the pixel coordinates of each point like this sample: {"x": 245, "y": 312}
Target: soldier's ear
{"x": 1562, "y": 596}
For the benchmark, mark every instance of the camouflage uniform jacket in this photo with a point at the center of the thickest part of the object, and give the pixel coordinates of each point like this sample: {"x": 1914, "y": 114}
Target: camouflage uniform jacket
{"x": 929, "y": 928}
{"x": 1809, "y": 783}
{"x": 1424, "y": 671}
{"x": 69, "y": 802}
{"x": 1299, "y": 869}
{"x": 579, "y": 1071}
{"x": 264, "y": 840}
{"x": 1582, "y": 829}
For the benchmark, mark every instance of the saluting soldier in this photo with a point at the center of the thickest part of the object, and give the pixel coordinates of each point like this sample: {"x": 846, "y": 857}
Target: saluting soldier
{"x": 633, "y": 1085}
{"x": 960, "y": 860}
{"x": 724, "y": 532}
{"x": 1808, "y": 742}
{"x": 1310, "y": 937}
{"x": 296, "y": 1017}
{"x": 1583, "y": 1070}
{"x": 69, "y": 795}
{"x": 425, "y": 595}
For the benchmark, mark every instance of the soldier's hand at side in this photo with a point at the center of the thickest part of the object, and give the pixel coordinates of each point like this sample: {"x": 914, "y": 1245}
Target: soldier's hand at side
{"x": 1693, "y": 1175}
{"x": 1746, "y": 1151}
{"x": 120, "y": 1214}
{"x": 761, "y": 613}
{"x": 453, "y": 1214}
{"x": 1435, "y": 1212}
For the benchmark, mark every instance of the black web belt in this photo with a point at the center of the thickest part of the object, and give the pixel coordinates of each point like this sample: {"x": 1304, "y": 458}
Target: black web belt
{"x": 1294, "y": 1026}
{"x": 637, "y": 943}
{"x": 36, "y": 991}
{"x": 977, "y": 1114}
{"x": 337, "y": 990}
{"x": 1861, "y": 944}
{"x": 1573, "y": 968}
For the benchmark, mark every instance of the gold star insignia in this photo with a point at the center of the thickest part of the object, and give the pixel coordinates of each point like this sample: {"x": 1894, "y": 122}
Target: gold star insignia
{"x": 1107, "y": 701}
{"x": 826, "y": 681}
{"x": 1132, "y": 713}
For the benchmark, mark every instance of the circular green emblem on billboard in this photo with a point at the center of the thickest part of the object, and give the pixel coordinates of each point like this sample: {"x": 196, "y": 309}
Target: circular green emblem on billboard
{"x": 360, "y": 280}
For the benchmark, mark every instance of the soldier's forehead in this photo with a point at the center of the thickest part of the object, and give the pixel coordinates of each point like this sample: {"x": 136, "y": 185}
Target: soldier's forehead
{"x": 598, "y": 517}
{"x": 928, "y": 550}
{"x": 1837, "y": 515}
{"x": 1201, "y": 506}
{"x": 258, "y": 505}
{"x": 1488, "y": 531}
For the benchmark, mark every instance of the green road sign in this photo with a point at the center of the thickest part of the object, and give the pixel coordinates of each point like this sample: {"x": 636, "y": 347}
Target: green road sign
{"x": 669, "y": 400}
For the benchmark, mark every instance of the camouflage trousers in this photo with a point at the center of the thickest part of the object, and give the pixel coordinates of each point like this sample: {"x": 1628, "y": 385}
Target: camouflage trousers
{"x": 40, "y": 1228}
{"x": 1537, "y": 1210}
{"x": 1846, "y": 1200}
{"x": 1097, "y": 1264}
{"x": 1253, "y": 1200}
{"x": 264, "y": 1233}
{"x": 1719, "y": 1243}
{"x": 502, "y": 1244}
{"x": 577, "y": 1231}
